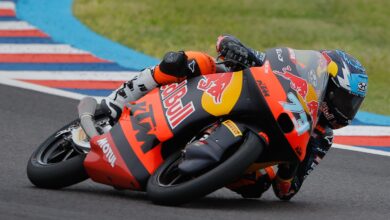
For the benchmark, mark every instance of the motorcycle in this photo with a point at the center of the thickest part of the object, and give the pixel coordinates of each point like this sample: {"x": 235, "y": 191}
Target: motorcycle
{"x": 273, "y": 108}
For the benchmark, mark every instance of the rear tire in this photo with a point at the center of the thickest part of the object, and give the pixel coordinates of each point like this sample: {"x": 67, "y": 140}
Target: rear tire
{"x": 192, "y": 188}
{"x": 49, "y": 168}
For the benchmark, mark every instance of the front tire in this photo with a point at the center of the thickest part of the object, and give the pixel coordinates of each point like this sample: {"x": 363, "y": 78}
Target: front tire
{"x": 165, "y": 187}
{"x": 56, "y": 163}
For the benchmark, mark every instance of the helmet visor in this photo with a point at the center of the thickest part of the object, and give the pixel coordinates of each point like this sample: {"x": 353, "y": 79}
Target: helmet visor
{"x": 345, "y": 103}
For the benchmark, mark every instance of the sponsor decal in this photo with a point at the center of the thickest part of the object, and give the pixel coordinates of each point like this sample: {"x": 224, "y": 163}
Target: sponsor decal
{"x": 362, "y": 86}
{"x": 145, "y": 125}
{"x": 176, "y": 111}
{"x": 263, "y": 88}
{"x": 220, "y": 92}
{"x": 279, "y": 52}
{"x": 232, "y": 127}
{"x": 301, "y": 123}
{"x": 191, "y": 66}
{"x": 325, "y": 110}
{"x": 215, "y": 85}
{"x": 358, "y": 84}
{"x": 306, "y": 91}
{"x": 107, "y": 150}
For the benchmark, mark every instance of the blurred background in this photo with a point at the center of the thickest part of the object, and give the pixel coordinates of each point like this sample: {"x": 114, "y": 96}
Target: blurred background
{"x": 359, "y": 27}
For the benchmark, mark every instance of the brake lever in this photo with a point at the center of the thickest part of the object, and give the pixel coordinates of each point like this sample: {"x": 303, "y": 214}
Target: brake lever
{"x": 233, "y": 65}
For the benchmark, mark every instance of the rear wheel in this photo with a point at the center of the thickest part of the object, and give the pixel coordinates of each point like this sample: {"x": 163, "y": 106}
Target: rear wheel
{"x": 168, "y": 186}
{"x": 57, "y": 162}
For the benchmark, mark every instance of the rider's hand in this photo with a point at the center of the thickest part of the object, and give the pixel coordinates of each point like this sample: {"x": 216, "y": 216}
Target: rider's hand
{"x": 236, "y": 55}
{"x": 230, "y": 48}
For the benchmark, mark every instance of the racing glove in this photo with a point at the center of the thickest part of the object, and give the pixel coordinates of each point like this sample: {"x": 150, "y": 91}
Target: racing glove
{"x": 236, "y": 55}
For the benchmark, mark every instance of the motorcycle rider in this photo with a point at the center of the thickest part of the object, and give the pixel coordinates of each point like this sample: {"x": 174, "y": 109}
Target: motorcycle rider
{"x": 345, "y": 92}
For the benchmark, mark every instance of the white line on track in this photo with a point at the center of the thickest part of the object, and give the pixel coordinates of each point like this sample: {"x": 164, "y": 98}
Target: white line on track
{"x": 15, "y": 25}
{"x": 68, "y": 75}
{"x": 7, "y": 5}
{"x": 39, "y": 49}
{"x": 363, "y": 131}
{"x": 360, "y": 149}
{"x": 38, "y": 88}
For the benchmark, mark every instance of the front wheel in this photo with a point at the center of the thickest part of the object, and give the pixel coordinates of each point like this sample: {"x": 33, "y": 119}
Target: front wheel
{"x": 168, "y": 186}
{"x": 57, "y": 163}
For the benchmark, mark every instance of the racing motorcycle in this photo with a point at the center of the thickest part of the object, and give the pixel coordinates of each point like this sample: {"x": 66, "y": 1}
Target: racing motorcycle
{"x": 272, "y": 108}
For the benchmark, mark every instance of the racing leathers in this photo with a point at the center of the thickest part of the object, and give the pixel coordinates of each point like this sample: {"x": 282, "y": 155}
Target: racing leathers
{"x": 286, "y": 179}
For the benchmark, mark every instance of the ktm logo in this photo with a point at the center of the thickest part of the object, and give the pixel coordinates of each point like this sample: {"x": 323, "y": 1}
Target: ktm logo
{"x": 145, "y": 125}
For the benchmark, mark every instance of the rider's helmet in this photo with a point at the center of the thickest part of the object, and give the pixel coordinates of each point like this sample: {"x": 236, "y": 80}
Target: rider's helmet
{"x": 346, "y": 88}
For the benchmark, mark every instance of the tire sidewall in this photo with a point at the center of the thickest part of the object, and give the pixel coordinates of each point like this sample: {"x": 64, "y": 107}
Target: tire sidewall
{"x": 56, "y": 175}
{"x": 210, "y": 181}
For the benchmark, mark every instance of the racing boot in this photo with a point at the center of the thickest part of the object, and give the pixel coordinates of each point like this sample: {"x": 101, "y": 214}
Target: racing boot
{"x": 135, "y": 88}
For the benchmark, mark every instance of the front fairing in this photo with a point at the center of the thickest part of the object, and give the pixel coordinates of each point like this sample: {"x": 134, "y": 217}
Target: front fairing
{"x": 303, "y": 73}
{"x": 293, "y": 84}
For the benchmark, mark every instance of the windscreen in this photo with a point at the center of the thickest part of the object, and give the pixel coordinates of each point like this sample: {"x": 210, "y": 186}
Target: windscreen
{"x": 303, "y": 74}
{"x": 312, "y": 66}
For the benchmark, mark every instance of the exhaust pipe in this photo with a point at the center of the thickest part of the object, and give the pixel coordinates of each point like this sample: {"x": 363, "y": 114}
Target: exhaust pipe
{"x": 86, "y": 109}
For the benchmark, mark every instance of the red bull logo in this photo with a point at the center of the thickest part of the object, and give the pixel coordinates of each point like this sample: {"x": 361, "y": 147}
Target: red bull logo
{"x": 176, "y": 110}
{"x": 220, "y": 92}
{"x": 304, "y": 89}
{"x": 215, "y": 85}
{"x": 296, "y": 83}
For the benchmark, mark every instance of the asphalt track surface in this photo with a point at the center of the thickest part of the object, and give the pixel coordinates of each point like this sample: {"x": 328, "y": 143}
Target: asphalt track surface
{"x": 346, "y": 185}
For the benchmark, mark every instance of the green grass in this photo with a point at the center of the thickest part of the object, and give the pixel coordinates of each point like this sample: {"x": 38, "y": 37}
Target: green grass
{"x": 360, "y": 27}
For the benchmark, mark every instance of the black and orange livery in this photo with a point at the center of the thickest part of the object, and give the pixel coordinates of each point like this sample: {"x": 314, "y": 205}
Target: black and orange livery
{"x": 279, "y": 101}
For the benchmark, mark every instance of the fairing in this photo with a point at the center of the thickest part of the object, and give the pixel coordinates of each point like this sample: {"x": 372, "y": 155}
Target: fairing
{"x": 291, "y": 83}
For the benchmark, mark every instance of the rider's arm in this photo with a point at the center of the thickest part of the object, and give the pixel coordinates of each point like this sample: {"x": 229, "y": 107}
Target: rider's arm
{"x": 287, "y": 183}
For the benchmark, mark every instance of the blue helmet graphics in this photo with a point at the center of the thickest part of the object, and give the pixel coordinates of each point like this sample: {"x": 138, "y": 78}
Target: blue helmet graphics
{"x": 346, "y": 90}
